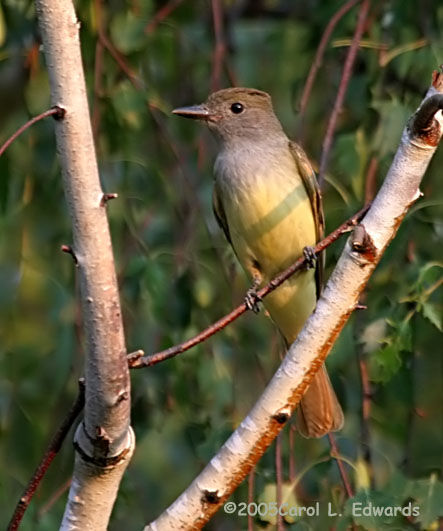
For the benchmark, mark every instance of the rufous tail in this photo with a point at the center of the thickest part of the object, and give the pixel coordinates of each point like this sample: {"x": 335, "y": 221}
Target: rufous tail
{"x": 319, "y": 411}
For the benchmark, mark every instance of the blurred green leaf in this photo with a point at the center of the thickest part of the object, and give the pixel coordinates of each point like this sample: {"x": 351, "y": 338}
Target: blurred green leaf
{"x": 130, "y": 105}
{"x": 268, "y": 501}
{"x": 127, "y": 32}
{"x": 433, "y": 313}
{"x": 2, "y": 27}
{"x": 37, "y": 93}
{"x": 428, "y": 493}
{"x": 374, "y": 510}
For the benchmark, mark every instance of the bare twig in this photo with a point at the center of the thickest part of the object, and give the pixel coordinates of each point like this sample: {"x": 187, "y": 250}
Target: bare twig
{"x": 161, "y": 14}
{"x": 251, "y": 478}
{"x": 69, "y": 250}
{"x": 341, "y": 467}
{"x": 136, "y": 362}
{"x": 56, "y": 111}
{"x": 51, "y": 452}
{"x": 98, "y": 72}
{"x": 370, "y": 180}
{"x": 278, "y": 479}
{"x": 365, "y": 413}
{"x": 291, "y": 442}
{"x": 346, "y": 76}
{"x": 61, "y": 489}
{"x": 320, "y": 52}
{"x": 220, "y": 47}
{"x": 119, "y": 59}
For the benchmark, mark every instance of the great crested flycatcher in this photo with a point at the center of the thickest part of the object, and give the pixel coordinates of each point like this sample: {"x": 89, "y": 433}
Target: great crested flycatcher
{"x": 267, "y": 202}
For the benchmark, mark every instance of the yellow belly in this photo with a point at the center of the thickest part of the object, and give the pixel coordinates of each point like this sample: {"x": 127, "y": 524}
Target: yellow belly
{"x": 270, "y": 222}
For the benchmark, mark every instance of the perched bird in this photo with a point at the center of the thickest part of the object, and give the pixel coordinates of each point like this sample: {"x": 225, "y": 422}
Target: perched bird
{"x": 267, "y": 202}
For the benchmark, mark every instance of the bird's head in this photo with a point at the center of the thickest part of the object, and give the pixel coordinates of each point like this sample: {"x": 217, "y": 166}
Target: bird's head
{"x": 236, "y": 114}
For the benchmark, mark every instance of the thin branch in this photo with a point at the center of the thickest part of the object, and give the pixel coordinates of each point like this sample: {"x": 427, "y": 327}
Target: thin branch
{"x": 161, "y": 14}
{"x": 291, "y": 453}
{"x": 341, "y": 467}
{"x": 119, "y": 59}
{"x": 365, "y": 432}
{"x": 278, "y": 480}
{"x": 55, "y": 111}
{"x": 251, "y": 478}
{"x": 61, "y": 489}
{"x": 320, "y": 52}
{"x": 220, "y": 47}
{"x": 370, "y": 180}
{"x": 48, "y": 457}
{"x": 344, "y": 82}
{"x": 137, "y": 362}
{"x": 98, "y": 72}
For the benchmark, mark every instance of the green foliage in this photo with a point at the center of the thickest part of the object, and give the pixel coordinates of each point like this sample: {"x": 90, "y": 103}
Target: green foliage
{"x": 177, "y": 276}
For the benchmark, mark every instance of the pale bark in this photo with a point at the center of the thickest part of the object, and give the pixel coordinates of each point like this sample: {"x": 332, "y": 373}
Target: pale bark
{"x": 104, "y": 440}
{"x": 247, "y": 444}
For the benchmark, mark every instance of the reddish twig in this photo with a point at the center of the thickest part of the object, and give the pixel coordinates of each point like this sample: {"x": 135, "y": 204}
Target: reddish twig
{"x": 320, "y": 52}
{"x": 54, "y": 498}
{"x": 136, "y": 361}
{"x": 119, "y": 59}
{"x": 365, "y": 413}
{"x": 251, "y": 478}
{"x": 344, "y": 82}
{"x": 365, "y": 434}
{"x": 98, "y": 71}
{"x": 55, "y": 111}
{"x": 220, "y": 47}
{"x": 278, "y": 479}
{"x": 233, "y": 81}
{"x": 51, "y": 452}
{"x": 291, "y": 453}
{"x": 341, "y": 467}
{"x": 161, "y": 14}
{"x": 371, "y": 181}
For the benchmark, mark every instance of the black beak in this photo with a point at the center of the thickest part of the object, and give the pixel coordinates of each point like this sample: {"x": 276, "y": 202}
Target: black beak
{"x": 196, "y": 112}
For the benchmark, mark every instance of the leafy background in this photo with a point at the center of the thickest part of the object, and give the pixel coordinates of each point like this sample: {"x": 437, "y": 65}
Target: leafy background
{"x": 177, "y": 275}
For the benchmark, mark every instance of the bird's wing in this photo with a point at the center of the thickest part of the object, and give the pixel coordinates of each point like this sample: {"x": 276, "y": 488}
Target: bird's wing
{"x": 311, "y": 185}
{"x": 219, "y": 212}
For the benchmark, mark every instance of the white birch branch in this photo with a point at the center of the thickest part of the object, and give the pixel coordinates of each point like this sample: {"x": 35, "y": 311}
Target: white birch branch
{"x": 362, "y": 252}
{"x": 104, "y": 440}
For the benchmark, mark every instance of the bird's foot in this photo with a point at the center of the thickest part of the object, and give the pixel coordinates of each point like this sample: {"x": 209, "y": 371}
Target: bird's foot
{"x": 253, "y": 299}
{"x": 310, "y": 257}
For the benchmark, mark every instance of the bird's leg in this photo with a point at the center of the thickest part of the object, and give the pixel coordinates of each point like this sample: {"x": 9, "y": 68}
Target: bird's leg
{"x": 252, "y": 298}
{"x": 310, "y": 257}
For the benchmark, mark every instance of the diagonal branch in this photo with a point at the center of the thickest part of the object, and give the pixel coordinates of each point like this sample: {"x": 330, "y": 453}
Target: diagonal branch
{"x": 343, "y": 87}
{"x": 51, "y": 452}
{"x": 56, "y": 111}
{"x": 136, "y": 361}
{"x": 320, "y": 52}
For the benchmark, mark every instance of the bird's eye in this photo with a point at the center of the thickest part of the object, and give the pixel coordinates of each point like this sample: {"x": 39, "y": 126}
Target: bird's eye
{"x": 237, "y": 108}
